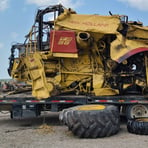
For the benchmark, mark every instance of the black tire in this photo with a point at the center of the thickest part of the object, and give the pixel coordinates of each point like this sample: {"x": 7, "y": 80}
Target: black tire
{"x": 63, "y": 116}
{"x": 93, "y": 123}
{"x": 138, "y": 126}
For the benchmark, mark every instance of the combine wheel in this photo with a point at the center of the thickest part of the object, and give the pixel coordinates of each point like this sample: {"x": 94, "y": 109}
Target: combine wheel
{"x": 92, "y": 121}
{"x": 63, "y": 116}
{"x": 138, "y": 126}
{"x": 136, "y": 111}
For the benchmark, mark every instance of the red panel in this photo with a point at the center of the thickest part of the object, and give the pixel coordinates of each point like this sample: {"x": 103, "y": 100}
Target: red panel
{"x": 131, "y": 52}
{"x": 63, "y": 42}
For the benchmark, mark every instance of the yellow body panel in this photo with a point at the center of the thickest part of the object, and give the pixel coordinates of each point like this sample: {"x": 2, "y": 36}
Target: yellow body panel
{"x": 88, "y": 23}
{"x": 122, "y": 46}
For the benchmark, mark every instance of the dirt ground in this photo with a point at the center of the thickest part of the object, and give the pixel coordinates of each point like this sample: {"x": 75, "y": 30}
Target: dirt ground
{"x": 49, "y": 133}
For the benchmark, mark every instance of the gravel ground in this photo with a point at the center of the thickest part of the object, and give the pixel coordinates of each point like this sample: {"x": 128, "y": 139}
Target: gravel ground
{"x": 32, "y": 133}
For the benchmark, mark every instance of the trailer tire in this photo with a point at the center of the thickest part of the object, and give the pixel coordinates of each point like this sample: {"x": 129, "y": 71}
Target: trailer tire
{"x": 138, "y": 126}
{"x": 93, "y": 121}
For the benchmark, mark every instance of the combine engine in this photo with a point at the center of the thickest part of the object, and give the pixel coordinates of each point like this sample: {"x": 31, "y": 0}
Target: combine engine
{"x": 83, "y": 55}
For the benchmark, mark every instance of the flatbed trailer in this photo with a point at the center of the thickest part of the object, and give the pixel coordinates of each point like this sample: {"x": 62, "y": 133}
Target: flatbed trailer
{"x": 25, "y": 105}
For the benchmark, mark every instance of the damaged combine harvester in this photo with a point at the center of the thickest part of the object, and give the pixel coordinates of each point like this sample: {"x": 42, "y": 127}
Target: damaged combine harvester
{"x": 89, "y": 67}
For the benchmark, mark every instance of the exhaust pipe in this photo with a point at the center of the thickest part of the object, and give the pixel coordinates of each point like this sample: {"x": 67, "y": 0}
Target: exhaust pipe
{"x": 83, "y": 40}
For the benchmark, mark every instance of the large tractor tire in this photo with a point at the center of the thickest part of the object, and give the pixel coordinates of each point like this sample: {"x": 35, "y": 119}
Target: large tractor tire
{"x": 138, "y": 126}
{"x": 92, "y": 121}
{"x": 63, "y": 116}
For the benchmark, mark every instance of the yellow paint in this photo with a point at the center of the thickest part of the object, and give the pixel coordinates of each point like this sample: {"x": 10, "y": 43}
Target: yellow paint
{"x": 142, "y": 120}
{"x": 90, "y": 23}
{"x": 66, "y": 55}
{"x": 91, "y": 107}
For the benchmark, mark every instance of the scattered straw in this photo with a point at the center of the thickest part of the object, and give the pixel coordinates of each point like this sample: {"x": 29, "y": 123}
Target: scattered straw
{"x": 45, "y": 129}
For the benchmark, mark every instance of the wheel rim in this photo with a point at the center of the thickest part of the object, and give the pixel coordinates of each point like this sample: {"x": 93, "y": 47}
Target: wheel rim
{"x": 142, "y": 120}
{"x": 91, "y": 107}
{"x": 139, "y": 111}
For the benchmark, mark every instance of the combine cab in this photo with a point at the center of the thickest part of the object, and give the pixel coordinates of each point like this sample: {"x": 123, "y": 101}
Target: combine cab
{"x": 76, "y": 59}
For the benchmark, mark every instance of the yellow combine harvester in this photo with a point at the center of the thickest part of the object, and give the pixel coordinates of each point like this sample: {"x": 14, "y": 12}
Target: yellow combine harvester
{"x": 86, "y": 59}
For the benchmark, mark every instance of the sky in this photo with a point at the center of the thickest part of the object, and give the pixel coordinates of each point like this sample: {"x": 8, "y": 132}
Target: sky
{"x": 17, "y": 17}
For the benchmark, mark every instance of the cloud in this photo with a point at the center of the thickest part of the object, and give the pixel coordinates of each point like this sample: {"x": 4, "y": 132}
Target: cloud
{"x": 1, "y": 45}
{"x": 66, "y": 3}
{"x": 4, "y": 4}
{"x": 139, "y": 4}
